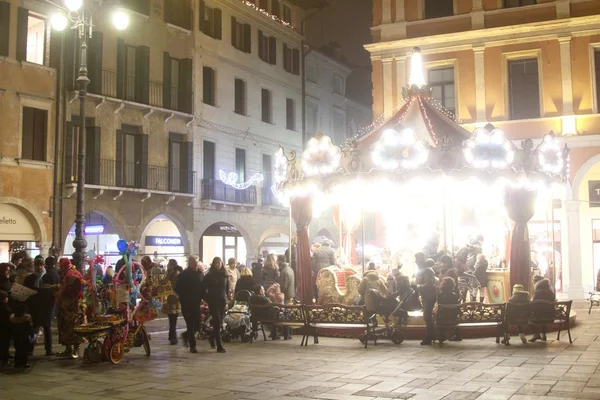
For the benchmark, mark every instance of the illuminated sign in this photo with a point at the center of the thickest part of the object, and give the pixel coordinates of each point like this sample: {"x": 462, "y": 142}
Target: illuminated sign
{"x": 93, "y": 229}
{"x": 163, "y": 241}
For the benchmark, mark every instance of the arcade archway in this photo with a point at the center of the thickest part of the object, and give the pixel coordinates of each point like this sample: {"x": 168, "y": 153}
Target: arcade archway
{"x": 20, "y": 229}
{"x": 274, "y": 240}
{"x": 222, "y": 240}
{"x": 101, "y": 236}
{"x": 163, "y": 240}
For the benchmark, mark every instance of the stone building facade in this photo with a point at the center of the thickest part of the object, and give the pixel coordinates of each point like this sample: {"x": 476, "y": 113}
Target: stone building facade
{"x": 526, "y": 66}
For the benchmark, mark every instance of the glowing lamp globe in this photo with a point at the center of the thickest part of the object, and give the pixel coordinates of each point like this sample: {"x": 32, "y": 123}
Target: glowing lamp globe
{"x": 73, "y": 5}
{"x": 58, "y": 22}
{"x": 120, "y": 19}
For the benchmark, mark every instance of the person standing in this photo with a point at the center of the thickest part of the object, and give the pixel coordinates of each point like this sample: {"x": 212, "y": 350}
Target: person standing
{"x": 69, "y": 316}
{"x": 234, "y": 275}
{"x": 257, "y": 269}
{"x": 216, "y": 293}
{"x": 270, "y": 272}
{"x": 172, "y": 307}
{"x": 428, "y": 294}
{"x": 286, "y": 279}
{"x": 16, "y": 259}
{"x": 189, "y": 288}
{"x": 38, "y": 304}
{"x": 24, "y": 269}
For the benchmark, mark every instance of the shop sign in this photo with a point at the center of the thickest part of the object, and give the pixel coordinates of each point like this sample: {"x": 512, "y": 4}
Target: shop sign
{"x": 94, "y": 230}
{"x": 594, "y": 192}
{"x": 15, "y": 225}
{"x": 163, "y": 241}
{"x": 227, "y": 228}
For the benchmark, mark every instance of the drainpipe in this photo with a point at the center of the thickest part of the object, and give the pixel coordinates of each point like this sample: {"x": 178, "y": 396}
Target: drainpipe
{"x": 303, "y": 74}
{"x": 58, "y": 125}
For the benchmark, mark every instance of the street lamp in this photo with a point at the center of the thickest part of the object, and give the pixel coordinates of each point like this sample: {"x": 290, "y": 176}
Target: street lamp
{"x": 79, "y": 13}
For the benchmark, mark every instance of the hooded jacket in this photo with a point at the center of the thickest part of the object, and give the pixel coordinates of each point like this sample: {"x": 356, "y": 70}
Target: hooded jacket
{"x": 323, "y": 257}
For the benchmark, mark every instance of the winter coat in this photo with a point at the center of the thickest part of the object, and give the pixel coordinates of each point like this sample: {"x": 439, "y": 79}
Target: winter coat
{"x": 108, "y": 280}
{"x": 428, "y": 296}
{"x": 543, "y": 291}
{"x": 41, "y": 304}
{"x": 323, "y": 257}
{"x": 22, "y": 273}
{"x": 216, "y": 288}
{"x": 257, "y": 272}
{"x": 481, "y": 272}
{"x": 189, "y": 288}
{"x": 172, "y": 305}
{"x": 287, "y": 282}
{"x": 234, "y": 275}
{"x": 275, "y": 295}
{"x": 21, "y": 328}
{"x": 447, "y": 297}
{"x": 270, "y": 276}
{"x": 371, "y": 280}
{"x": 519, "y": 298}
{"x": 245, "y": 283}
{"x": 51, "y": 277}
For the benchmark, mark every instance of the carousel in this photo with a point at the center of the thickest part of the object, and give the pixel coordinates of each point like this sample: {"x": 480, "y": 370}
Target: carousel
{"x": 427, "y": 183}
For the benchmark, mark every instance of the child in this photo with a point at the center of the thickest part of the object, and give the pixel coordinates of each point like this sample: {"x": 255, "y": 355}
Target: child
{"x": 4, "y": 329}
{"x": 22, "y": 334}
{"x": 276, "y": 296}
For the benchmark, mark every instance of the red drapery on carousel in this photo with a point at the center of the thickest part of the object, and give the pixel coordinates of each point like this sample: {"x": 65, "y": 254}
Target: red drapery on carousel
{"x": 347, "y": 220}
{"x": 302, "y": 215}
{"x": 520, "y": 205}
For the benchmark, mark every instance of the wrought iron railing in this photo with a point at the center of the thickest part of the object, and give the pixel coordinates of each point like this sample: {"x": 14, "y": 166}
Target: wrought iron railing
{"x": 269, "y": 199}
{"x": 111, "y": 173}
{"x": 216, "y": 190}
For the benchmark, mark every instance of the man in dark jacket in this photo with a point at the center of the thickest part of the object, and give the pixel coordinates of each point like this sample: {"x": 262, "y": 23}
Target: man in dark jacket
{"x": 286, "y": 279}
{"x": 257, "y": 271}
{"x": 189, "y": 289}
{"x": 40, "y": 305}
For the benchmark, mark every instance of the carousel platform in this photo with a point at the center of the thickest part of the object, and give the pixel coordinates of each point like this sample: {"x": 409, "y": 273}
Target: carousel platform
{"x": 415, "y": 329}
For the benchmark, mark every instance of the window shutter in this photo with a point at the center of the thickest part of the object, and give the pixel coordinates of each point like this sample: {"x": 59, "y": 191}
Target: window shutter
{"x": 141, "y": 160}
{"x": 68, "y": 152}
{"x": 286, "y": 51}
{"x": 22, "y": 21}
{"x": 121, "y": 75}
{"x": 70, "y": 42}
{"x": 296, "y": 62}
{"x": 272, "y": 50}
{"x": 186, "y": 168}
{"x": 4, "y": 28}
{"x": 233, "y": 31}
{"x": 142, "y": 75}
{"x": 119, "y": 156}
{"x": 261, "y": 46}
{"x": 55, "y": 45}
{"x": 27, "y": 127}
{"x": 40, "y": 133}
{"x": 218, "y": 23}
{"x": 208, "y": 162}
{"x": 166, "y": 80}
{"x": 275, "y": 8}
{"x": 92, "y": 165}
{"x": 185, "y": 85}
{"x": 95, "y": 62}
{"x": 201, "y": 13}
{"x": 247, "y": 38}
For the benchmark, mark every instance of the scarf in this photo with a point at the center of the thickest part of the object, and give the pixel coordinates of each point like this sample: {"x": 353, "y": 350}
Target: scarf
{"x": 38, "y": 279}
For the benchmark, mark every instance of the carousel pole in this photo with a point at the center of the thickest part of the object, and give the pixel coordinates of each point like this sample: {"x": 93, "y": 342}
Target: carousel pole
{"x": 554, "y": 269}
{"x": 362, "y": 216}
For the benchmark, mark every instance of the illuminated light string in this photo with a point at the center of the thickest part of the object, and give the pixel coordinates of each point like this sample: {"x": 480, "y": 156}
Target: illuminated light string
{"x": 280, "y": 167}
{"x": 413, "y": 152}
{"x": 489, "y": 149}
{"x": 231, "y": 179}
{"x": 428, "y": 121}
{"x": 321, "y": 156}
{"x": 550, "y": 155}
{"x": 266, "y": 13}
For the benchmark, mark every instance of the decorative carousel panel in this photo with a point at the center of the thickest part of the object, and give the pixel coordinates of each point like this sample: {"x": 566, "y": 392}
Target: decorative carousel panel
{"x": 550, "y": 154}
{"x": 399, "y": 150}
{"x": 489, "y": 149}
{"x": 321, "y": 156}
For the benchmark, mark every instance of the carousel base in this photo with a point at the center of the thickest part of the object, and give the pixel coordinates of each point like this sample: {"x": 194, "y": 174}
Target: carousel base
{"x": 415, "y": 329}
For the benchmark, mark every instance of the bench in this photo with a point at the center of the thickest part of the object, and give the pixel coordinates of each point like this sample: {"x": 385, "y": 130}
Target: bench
{"x": 452, "y": 316}
{"x": 280, "y": 315}
{"x": 548, "y": 312}
{"x": 337, "y": 316}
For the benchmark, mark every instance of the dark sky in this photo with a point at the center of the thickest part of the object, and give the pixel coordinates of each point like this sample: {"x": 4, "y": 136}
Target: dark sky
{"x": 346, "y": 22}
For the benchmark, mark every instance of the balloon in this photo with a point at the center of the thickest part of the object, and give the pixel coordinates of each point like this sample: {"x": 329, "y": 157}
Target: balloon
{"x": 122, "y": 245}
{"x": 91, "y": 253}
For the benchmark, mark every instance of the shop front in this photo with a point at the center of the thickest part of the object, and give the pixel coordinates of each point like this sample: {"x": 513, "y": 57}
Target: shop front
{"x": 162, "y": 240}
{"x": 222, "y": 240}
{"x": 17, "y": 232}
{"x": 100, "y": 234}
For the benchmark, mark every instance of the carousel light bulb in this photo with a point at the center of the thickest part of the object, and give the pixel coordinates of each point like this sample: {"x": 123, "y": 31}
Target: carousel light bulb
{"x": 73, "y": 5}
{"x": 58, "y": 21}
{"x": 120, "y": 19}
{"x": 417, "y": 76}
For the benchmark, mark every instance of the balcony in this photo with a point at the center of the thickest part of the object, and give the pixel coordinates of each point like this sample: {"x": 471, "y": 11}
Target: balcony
{"x": 123, "y": 176}
{"x": 155, "y": 93}
{"x": 216, "y": 191}
{"x": 269, "y": 199}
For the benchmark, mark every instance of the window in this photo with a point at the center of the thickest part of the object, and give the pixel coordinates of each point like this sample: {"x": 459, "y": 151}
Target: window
{"x": 267, "y": 48}
{"x": 338, "y": 85}
{"x": 312, "y": 73}
{"x": 339, "y": 125}
{"x": 33, "y": 134}
{"x": 208, "y": 86}
{"x": 130, "y": 68}
{"x": 174, "y": 85}
{"x": 180, "y": 164}
{"x": 441, "y": 82}
{"x": 241, "y": 36}
{"x": 266, "y": 106}
{"x": 263, "y": 5}
{"x": 290, "y": 114}
{"x": 210, "y": 21}
{"x": 291, "y": 60}
{"x": 240, "y": 97}
{"x": 179, "y": 13}
{"x": 175, "y": 157}
{"x": 129, "y": 159}
{"x": 287, "y": 14}
{"x": 36, "y": 40}
{"x": 275, "y": 8}
{"x": 519, "y": 3}
{"x": 208, "y": 160}
{"x": 240, "y": 164}
{"x": 312, "y": 118}
{"x": 439, "y": 8}
{"x": 4, "y": 27}
{"x": 267, "y": 171}
{"x": 524, "y": 88}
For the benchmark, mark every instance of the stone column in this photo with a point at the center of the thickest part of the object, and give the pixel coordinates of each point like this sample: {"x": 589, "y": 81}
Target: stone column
{"x": 477, "y": 15}
{"x": 400, "y": 77}
{"x": 45, "y": 249}
{"x": 563, "y": 9}
{"x": 480, "y": 84}
{"x": 400, "y": 17}
{"x": 386, "y": 11}
{"x": 565, "y": 72}
{"x": 388, "y": 98}
{"x": 571, "y": 265}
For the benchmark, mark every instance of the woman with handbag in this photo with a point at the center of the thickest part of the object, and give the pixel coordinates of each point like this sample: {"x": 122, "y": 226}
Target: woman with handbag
{"x": 172, "y": 307}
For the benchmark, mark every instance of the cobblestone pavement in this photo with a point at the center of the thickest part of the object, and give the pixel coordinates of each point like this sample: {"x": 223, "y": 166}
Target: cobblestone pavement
{"x": 334, "y": 369}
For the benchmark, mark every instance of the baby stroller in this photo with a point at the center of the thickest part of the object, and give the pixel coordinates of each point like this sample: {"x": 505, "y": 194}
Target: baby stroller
{"x": 237, "y": 319}
{"x": 205, "y": 329}
{"x": 394, "y": 312}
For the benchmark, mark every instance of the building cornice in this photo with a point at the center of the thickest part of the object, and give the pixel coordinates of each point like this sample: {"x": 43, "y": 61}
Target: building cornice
{"x": 213, "y": 126}
{"x": 339, "y": 66}
{"x": 488, "y": 37}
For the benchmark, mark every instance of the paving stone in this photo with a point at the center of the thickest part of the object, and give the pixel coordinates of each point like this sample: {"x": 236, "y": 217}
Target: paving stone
{"x": 460, "y": 395}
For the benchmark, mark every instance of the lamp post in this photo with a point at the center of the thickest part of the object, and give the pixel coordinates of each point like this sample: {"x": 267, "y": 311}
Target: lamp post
{"x": 79, "y": 13}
